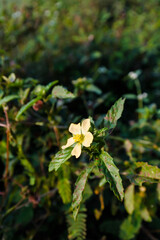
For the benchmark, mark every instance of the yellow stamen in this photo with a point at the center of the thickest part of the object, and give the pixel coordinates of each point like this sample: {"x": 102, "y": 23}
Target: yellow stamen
{"x": 78, "y": 138}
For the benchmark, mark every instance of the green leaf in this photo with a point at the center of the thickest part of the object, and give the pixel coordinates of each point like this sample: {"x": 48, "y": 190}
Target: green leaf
{"x": 87, "y": 192}
{"x": 114, "y": 113}
{"x": 79, "y": 189}
{"x": 61, "y": 92}
{"x": 111, "y": 173}
{"x": 101, "y": 132}
{"x": 50, "y": 85}
{"x": 158, "y": 191}
{"x": 146, "y": 215}
{"x": 93, "y": 88}
{"x": 146, "y": 173}
{"x": 64, "y": 185}
{"x": 12, "y": 77}
{"x": 77, "y": 229}
{"x": 26, "y": 106}
{"x": 64, "y": 190}
{"x": 8, "y": 99}
{"x": 102, "y": 182}
{"x": 28, "y": 169}
{"x": 130, "y": 226}
{"x": 130, "y": 96}
{"x": 129, "y": 199}
{"x": 39, "y": 90}
{"x": 60, "y": 157}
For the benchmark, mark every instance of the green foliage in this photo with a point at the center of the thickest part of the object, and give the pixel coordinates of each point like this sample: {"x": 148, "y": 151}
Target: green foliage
{"x": 77, "y": 229}
{"x": 130, "y": 226}
{"x": 61, "y": 157}
{"x": 146, "y": 173}
{"x": 84, "y": 84}
{"x": 145, "y": 215}
{"x": 26, "y": 106}
{"x": 114, "y": 113}
{"x": 11, "y": 78}
{"x": 64, "y": 185}
{"x": 64, "y": 189}
{"x": 61, "y": 92}
{"x": 8, "y": 99}
{"x": 129, "y": 199}
{"x": 111, "y": 173}
{"x": 95, "y": 62}
{"x": 40, "y": 91}
{"x": 79, "y": 189}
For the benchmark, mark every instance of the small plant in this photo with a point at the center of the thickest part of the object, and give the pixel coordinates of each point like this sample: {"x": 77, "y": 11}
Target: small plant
{"x": 92, "y": 141}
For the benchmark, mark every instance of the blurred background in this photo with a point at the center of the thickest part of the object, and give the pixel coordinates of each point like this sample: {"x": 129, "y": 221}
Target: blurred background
{"x": 100, "y": 49}
{"x": 104, "y": 40}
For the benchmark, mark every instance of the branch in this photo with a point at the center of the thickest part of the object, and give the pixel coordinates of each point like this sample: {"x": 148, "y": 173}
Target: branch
{"x": 3, "y": 125}
{"x": 57, "y": 135}
{"x": 149, "y": 235}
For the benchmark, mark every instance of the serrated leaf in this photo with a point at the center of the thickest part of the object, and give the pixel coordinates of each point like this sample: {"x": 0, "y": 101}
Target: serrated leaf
{"x": 114, "y": 113}
{"x": 61, "y": 92}
{"x": 129, "y": 199}
{"x": 8, "y": 99}
{"x": 26, "y": 106}
{"x": 147, "y": 173}
{"x": 77, "y": 229}
{"x": 79, "y": 189}
{"x": 60, "y": 157}
{"x": 111, "y": 173}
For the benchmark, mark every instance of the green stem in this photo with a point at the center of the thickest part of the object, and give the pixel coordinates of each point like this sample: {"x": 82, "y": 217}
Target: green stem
{"x": 139, "y": 92}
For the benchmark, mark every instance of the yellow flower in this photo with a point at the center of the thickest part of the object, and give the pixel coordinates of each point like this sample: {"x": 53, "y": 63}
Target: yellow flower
{"x": 81, "y": 136}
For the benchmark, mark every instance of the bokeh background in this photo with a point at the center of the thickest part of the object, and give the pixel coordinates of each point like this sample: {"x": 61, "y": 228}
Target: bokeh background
{"x": 113, "y": 48}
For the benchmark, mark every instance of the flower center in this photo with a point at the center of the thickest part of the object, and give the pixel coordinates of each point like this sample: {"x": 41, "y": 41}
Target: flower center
{"x": 78, "y": 138}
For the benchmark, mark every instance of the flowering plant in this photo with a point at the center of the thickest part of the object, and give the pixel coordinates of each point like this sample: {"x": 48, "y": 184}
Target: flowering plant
{"x": 94, "y": 143}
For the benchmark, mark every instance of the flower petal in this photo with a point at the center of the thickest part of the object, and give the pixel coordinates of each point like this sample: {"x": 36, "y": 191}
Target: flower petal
{"x": 88, "y": 139}
{"x": 85, "y": 125}
{"x": 76, "y": 150}
{"x": 75, "y": 128}
{"x": 70, "y": 141}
